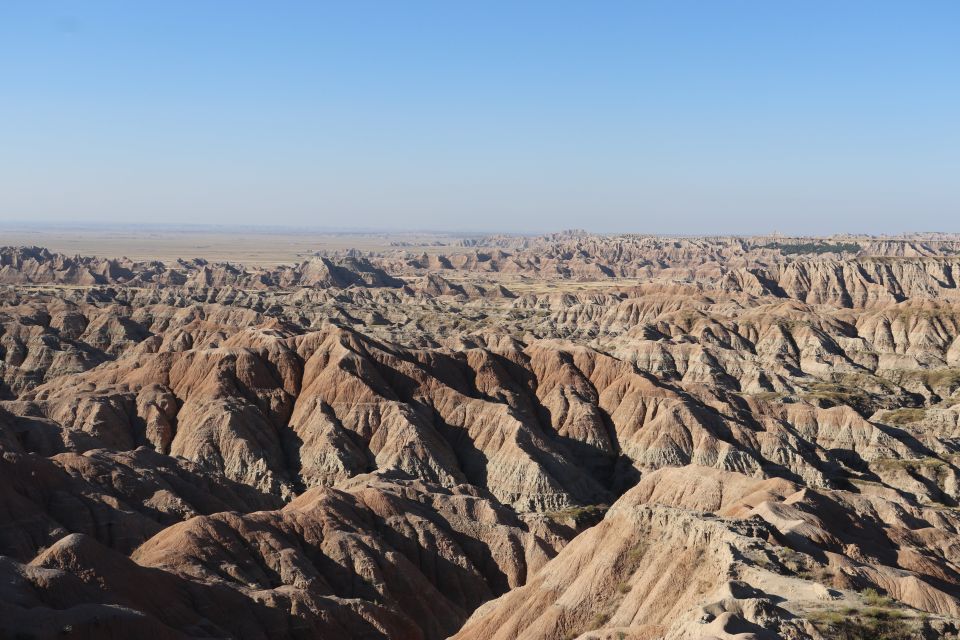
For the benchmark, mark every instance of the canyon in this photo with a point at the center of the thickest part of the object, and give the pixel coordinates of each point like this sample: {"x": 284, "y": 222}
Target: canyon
{"x": 559, "y": 436}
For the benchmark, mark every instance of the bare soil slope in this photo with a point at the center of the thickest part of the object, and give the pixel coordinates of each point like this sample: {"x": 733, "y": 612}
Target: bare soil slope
{"x": 554, "y": 437}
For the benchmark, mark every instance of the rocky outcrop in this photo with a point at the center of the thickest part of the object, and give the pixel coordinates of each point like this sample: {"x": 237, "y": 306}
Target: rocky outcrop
{"x": 35, "y": 266}
{"x": 552, "y": 437}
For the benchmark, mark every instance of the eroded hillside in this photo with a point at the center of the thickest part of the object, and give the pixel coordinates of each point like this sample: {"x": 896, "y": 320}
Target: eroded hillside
{"x": 554, "y": 437}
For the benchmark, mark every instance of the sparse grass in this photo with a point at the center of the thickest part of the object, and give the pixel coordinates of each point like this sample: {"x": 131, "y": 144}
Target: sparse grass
{"x": 766, "y": 395}
{"x": 833, "y": 394}
{"x": 814, "y": 248}
{"x": 818, "y": 573}
{"x": 805, "y": 567}
{"x": 904, "y": 416}
{"x": 930, "y": 469}
{"x": 873, "y": 623}
{"x": 599, "y": 620}
{"x": 943, "y": 378}
{"x": 577, "y": 513}
{"x": 636, "y": 553}
{"x": 910, "y": 464}
{"x": 881, "y": 619}
{"x": 853, "y": 389}
{"x": 864, "y": 381}
{"x": 875, "y": 599}
{"x": 828, "y": 618}
{"x": 760, "y": 558}
{"x": 944, "y": 381}
{"x": 885, "y": 613}
{"x": 794, "y": 567}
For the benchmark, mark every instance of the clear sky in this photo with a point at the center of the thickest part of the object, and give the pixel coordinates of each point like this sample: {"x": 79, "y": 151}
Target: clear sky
{"x": 673, "y": 116}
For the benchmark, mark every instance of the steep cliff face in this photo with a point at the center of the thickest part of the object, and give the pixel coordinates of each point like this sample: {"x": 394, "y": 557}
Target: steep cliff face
{"x": 692, "y": 552}
{"x": 853, "y": 283}
{"x": 595, "y": 437}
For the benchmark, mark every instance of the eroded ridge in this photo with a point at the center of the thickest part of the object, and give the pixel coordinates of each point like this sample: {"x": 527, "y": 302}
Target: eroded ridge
{"x": 542, "y": 437}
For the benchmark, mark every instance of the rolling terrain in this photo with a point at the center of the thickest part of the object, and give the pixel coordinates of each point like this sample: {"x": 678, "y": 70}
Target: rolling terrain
{"x": 564, "y": 436}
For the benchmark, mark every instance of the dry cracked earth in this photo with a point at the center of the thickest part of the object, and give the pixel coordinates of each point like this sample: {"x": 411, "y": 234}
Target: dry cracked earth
{"x": 567, "y": 436}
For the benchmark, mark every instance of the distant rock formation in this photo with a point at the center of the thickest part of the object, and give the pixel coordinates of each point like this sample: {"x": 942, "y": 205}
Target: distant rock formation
{"x": 33, "y": 265}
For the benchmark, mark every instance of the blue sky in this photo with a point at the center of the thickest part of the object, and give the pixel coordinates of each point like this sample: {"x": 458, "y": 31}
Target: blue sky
{"x": 664, "y": 117}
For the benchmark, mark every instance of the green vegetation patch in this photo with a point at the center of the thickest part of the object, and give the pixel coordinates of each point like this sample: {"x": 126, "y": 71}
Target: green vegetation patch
{"x": 876, "y": 599}
{"x": 945, "y": 381}
{"x": 832, "y": 395}
{"x": 904, "y": 416}
{"x": 864, "y": 393}
{"x": 636, "y": 553}
{"x": 765, "y": 395}
{"x": 814, "y": 248}
{"x": 870, "y": 623}
{"x": 579, "y": 513}
{"x": 911, "y": 464}
{"x": 599, "y": 620}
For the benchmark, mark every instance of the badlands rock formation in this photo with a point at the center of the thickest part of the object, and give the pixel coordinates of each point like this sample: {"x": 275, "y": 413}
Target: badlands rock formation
{"x": 568, "y": 436}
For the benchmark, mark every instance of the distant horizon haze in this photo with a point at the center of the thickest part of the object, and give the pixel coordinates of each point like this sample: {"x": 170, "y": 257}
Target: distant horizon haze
{"x": 685, "y": 117}
{"x": 55, "y": 226}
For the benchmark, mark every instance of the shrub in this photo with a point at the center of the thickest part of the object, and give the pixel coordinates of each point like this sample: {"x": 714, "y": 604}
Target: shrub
{"x": 599, "y": 620}
{"x": 874, "y": 598}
